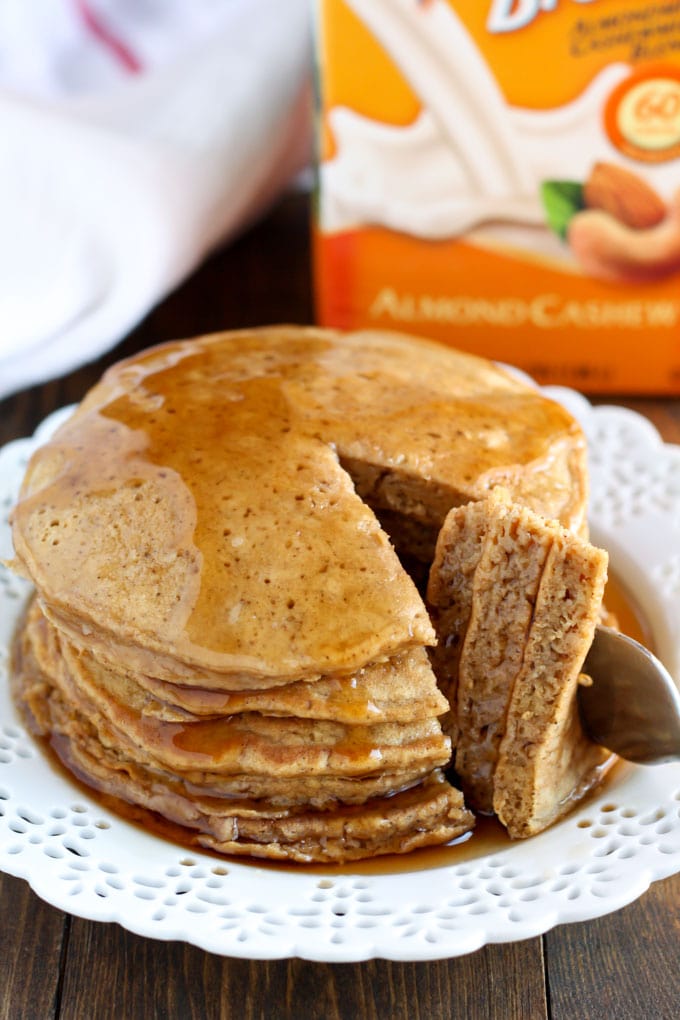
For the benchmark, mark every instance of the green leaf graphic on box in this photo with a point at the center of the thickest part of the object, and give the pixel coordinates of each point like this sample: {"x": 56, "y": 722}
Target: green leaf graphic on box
{"x": 562, "y": 200}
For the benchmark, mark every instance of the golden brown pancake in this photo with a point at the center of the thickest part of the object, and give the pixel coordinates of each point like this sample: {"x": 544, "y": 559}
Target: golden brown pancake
{"x": 400, "y": 689}
{"x": 226, "y": 527}
{"x": 545, "y": 762}
{"x": 210, "y": 751}
{"x": 504, "y": 587}
{"x": 449, "y": 595}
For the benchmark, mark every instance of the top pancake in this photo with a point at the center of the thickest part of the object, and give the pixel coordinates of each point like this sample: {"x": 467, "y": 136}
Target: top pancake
{"x": 197, "y": 513}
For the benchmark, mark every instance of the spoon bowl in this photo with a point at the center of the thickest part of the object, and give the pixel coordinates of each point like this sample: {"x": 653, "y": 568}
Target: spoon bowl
{"x": 632, "y": 705}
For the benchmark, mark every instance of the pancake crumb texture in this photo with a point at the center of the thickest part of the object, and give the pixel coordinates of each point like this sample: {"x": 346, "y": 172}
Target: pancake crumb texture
{"x": 522, "y": 595}
{"x": 228, "y": 542}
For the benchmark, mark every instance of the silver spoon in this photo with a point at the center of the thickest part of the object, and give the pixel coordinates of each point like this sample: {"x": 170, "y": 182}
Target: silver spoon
{"x": 632, "y": 706}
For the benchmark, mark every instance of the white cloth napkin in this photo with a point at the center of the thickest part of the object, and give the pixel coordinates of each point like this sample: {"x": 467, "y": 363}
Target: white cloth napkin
{"x": 135, "y": 136}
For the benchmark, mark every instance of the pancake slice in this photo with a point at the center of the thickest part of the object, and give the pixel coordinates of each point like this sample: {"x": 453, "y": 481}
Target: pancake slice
{"x": 522, "y": 595}
{"x": 546, "y": 763}
{"x": 251, "y": 548}
{"x": 398, "y": 689}
{"x": 506, "y": 579}
{"x": 429, "y": 814}
{"x": 449, "y": 593}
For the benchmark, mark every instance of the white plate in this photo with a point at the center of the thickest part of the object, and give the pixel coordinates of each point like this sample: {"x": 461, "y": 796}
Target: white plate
{"x": 91, "y": 863}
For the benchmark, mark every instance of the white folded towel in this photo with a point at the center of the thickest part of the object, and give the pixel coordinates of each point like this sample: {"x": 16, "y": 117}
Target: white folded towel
{"x": 139, "y": 136}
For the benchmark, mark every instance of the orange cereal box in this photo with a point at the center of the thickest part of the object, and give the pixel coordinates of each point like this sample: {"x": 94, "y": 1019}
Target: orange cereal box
{"x": 504, "y": 175}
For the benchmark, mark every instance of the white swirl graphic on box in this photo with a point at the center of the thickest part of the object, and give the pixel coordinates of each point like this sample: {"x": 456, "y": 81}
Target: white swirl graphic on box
{"x": 469, "y": 159}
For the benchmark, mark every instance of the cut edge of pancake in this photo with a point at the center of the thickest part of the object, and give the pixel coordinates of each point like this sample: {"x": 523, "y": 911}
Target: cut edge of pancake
{"x": 539, "y": 762}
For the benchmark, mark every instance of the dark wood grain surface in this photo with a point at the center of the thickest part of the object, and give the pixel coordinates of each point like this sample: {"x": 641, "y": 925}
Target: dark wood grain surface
{"x": 625, "y": 966}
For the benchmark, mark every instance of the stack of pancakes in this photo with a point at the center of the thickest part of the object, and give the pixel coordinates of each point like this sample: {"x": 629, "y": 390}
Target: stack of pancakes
{"x": 223, "y": 631}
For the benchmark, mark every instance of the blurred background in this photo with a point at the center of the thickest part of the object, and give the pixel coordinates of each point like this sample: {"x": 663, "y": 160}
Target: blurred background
{"x": 136, "y": 136}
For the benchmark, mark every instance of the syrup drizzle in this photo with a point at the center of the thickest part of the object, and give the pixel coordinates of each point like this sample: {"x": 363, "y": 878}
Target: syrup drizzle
{"x": 222, "y": 459}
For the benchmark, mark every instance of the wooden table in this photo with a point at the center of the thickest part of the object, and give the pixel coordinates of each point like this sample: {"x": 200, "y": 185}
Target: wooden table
{"x": 52, "y": 965}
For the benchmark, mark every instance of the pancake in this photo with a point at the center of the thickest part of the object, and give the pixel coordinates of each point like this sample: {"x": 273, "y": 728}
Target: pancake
{"x": 277, "y": 601}
{"x": 449, "y": 595}
{"x": 247, "y": 743}
{"x": 504, "y": 588}
{"x": 400, "y": 689}
{"x": 546, "y": 763}
{"x": 335, "y": 820}
{"x": 522, "y": 596}
{"x": 225, "y": 630}
{"x": 227, "y": 531}
{"x": 426, "y": 815}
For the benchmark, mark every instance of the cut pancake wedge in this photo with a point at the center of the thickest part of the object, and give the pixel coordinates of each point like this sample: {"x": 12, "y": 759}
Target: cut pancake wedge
{"x": 546, "y": 763}
{"x": 517, "y": 600}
